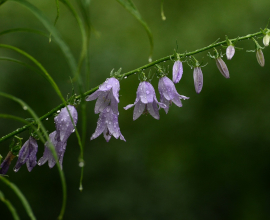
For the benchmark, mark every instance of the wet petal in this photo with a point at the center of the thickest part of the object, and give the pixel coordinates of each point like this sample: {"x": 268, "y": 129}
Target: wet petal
{"x": 93, "y": 96}
{"x": 101, "y": 125}
{"x": 153, "y": 110}
{"x": 138, "y": 110}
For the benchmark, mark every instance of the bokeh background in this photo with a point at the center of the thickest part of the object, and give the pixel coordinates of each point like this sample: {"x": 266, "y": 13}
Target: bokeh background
{"x": 206, "y": 160}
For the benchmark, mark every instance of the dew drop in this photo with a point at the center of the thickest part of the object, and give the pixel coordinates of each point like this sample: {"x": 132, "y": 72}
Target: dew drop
{"x": 147, "y": 92}
{"x": 73, "y": 130}
{"x": 25, "y": 108}
{"x": 108, "y": 110}
{"x": 46, "y": 119}
{"x": 125, "y": 77}
{"x": 150, "y": 59}
{"x": 15, "y": 170}
{"x": 58, "y": 111}
{"x": 81, "y": 164}
{"x": 81, "y": 188}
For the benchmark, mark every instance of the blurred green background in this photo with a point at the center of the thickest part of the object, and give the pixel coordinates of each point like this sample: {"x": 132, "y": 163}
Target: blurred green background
{"x": 206, "y": 160}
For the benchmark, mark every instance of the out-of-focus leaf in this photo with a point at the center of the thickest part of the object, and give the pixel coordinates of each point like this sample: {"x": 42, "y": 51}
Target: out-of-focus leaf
{"x": 130, "y": 7}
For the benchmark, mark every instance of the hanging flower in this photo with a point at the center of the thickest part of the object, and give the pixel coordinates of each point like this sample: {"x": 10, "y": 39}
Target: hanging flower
{"x": 108, "y": 124}
{"x": 6, "y": 163}
{"x": 59, "y": 147}
{"x": 177, "y": 71}
{"x": 58, "y": 138}
{"x": 63, "y": 123}
{"x": 146, "y": 101}
{"x": 260, "y": 57}
{"x": 168, "y": 93}
{"x": 107, "y": 94}
{"x": 28, "y": 155}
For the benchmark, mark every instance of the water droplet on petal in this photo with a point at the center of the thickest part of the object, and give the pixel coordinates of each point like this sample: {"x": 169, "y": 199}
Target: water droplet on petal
{"x": 147, "y": 92}
{"x": 15, "y": 169}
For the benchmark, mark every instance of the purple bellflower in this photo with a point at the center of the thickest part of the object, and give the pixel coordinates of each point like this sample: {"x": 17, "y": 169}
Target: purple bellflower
{"x": 146, "y": 101}
{"x": 177, "y": 71}
{"x": 28, "y": 155}
{"x": 107, "y": 94}
{"x": 60, "y": 148}
{"x": 6, "y": 163}
{"x": 63, "y": 123}
{"x": 108, "y": 124}
{"x": 222, "y": 67}
{"x": 168, "y": 93}
{"x": 58, "y": 138}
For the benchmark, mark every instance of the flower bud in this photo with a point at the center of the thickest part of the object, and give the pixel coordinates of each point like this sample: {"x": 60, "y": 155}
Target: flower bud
{"x": 260, "y": 57}
{"x": 198, "y": 79}
{"x": 266, "y": 40}
{"x": 177, "y": 71}
{"x": 222, "y": 67}
{"x": 230, "y": 52}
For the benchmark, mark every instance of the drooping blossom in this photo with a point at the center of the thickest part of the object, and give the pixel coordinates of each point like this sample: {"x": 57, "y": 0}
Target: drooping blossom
{"x": 198, "y": 79}
{"x": 221, "y": 65}
{"x": 63, "y": 123}
{"x": 28, "y": 155}
{"x": 168, "y": 93}
{"x": 107, "y": 94}
{"x": 59, "y": 147}
{"x": 146, "y": 101}
{"x": 108, "y": 124}
{"x": 6, "y": 163}
{"x": 230, "y": 52}
{"x": 177, "y": 71}
{"x": 260, "y": 57}
{"x": 58, "y": 138}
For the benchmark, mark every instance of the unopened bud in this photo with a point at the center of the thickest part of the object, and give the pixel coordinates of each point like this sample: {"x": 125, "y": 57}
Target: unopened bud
{"x": 230, "y": 52}
{"x": 222, "y": 68}
{"x": 198, "y": 79}
{"x": 266, "y": 40}
{"x": 177, "y": 71}
{"x": 260, "y": 57}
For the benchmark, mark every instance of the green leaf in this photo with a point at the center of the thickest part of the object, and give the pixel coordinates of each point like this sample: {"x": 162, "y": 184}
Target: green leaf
{"x": 21, "y": 197}
{"x": 24, "y": 30}
{"x": 10, "y": 206}
{"x": 57, "y": 37}
{"x": 130, "y": 7}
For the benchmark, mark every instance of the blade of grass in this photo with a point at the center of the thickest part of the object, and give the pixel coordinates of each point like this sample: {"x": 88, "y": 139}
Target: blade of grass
{"x": 10, "y": 206}
{"x": 131, "y": 8}
{"x": 21, "y": 197}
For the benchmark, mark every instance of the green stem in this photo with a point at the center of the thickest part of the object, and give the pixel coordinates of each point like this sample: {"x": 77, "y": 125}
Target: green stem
{"x": 50, "y": 113}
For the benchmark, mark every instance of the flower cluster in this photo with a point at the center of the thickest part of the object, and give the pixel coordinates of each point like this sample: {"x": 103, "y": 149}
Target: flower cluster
{"x": 58, "y": 139}
{"x": 107, "y": 107}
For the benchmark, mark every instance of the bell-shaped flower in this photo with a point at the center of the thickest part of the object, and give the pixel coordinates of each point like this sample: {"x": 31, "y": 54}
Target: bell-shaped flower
{"x": 221, "y": 65}
{"x": 63, "y": 123}
{"x": 59, "y": 147}
{"x": 108, "y": 124}
{"x": 107, "y": 94}
{"x": 230, "y": 52}
{"x": 6, "y": 163}
{"x": 146, "y": 101}
{"x": 28, "y": 155}
{"x": 177, "y": 71}
{"x": 198, "y": 79}
{"x": 168, "y": 93}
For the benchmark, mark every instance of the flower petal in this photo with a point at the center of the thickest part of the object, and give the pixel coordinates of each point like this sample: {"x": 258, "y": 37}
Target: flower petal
{"x": 93, "y": 96}
{"x": 138, "y": 110}
{"x": 153, "y": 110}
{"x": 198, "y": 79}
{"x": 101, "y": 125}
